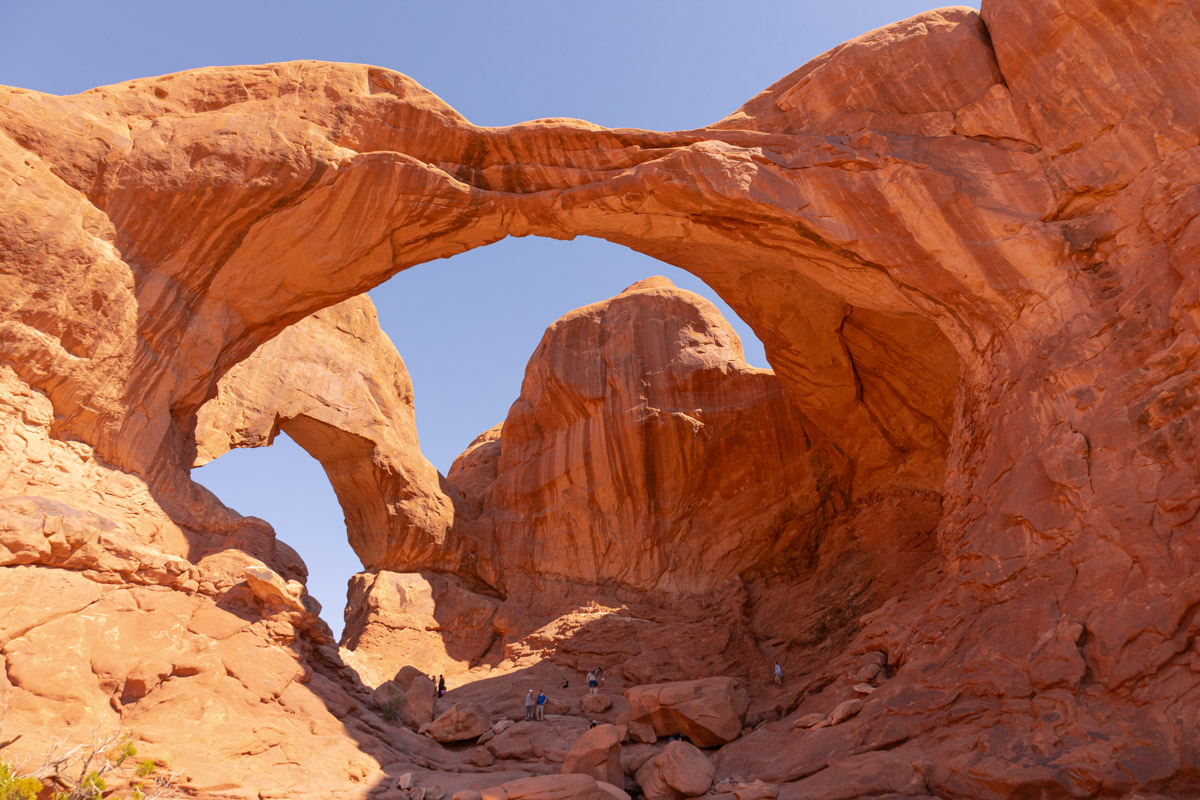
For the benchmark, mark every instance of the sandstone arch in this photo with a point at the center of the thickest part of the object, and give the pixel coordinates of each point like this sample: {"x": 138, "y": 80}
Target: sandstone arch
{"x": 348, "y": 401}
{"x": 1039, "y": 215}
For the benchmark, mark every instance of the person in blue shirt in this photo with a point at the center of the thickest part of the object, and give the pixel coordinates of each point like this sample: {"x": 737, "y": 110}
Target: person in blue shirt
{"x": 541, "y": 705}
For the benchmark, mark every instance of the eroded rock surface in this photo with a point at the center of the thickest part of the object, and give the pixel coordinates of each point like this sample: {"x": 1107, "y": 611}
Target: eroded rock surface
{"x": 632, "y": 413}
{"x": 335, "y": 383}
{"x": 968, "y": 242}
{"x": 709, "y": 712}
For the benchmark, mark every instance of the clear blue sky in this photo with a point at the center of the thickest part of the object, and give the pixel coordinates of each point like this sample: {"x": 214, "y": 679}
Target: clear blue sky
{"x": 465, "y": 327}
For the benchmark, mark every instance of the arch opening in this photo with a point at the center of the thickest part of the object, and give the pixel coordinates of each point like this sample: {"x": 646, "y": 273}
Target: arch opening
{"x": 430, "y": 541}
{"x": 302, "y": 508}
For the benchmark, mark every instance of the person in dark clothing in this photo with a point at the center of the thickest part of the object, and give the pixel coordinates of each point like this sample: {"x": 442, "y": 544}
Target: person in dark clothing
{"x": 441, "y": 685}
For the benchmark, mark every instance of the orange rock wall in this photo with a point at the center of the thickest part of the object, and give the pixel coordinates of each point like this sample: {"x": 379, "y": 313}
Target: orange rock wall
{"x": 644, "y": 452}
{"x": 967, "y": 241}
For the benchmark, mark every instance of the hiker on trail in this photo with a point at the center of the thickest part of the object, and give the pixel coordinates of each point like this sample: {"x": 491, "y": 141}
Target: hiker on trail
{"x": 529, "y": 705}
{"x": 441, "y": 685}
{"x": 541, "y": 705}
{"x": 593, "y": 684}
{"x": 565, "y": 682}
{"x": 778, "y": 675}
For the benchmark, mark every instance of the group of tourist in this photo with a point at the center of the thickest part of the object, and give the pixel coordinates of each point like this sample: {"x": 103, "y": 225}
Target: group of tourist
{"x": 538, "y": 703}
{"x": 535, "y": 706}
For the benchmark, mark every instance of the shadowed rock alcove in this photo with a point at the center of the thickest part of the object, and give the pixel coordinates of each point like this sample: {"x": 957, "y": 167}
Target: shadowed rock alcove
{"x": 975, "y": 282}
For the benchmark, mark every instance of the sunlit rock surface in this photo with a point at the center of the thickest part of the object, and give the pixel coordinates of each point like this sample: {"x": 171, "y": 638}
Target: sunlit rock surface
{"x": 968, "y": 242}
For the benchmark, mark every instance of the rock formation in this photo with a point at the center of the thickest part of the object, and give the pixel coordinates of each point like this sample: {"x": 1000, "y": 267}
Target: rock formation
{"x": 644, "y": 452}
{"x": 335, "y": 384}
{"x": 968, "y": 242}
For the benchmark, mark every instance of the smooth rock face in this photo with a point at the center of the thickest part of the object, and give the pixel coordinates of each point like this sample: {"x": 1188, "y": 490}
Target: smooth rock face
{"x": 459, "y": 723}
{"x": 679, "y": 771}
{"x": 426, "y": 620}
{"x": 968, "y": 242}
{"x": 597, "y": 753}
{"x": 710, "y": 712}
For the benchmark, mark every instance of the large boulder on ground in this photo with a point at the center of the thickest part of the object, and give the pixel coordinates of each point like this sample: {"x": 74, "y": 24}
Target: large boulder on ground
{"x": 459, "y": 723}
{"x": 597, "y": 753}
{"x": 709, "y": 712}
{"x": 525, "y": 740}
{"x": 679, "y": 771}
{"x": 409, "y": 698}
{"x": 595, "y": 703}
{"x": 555, "y": 787}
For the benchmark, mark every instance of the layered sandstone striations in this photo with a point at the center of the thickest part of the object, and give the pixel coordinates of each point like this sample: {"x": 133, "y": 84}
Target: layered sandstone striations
{"x": 335, "y": 384}
{"x": 644, "y": 452}
{"x": 968, "y": 242}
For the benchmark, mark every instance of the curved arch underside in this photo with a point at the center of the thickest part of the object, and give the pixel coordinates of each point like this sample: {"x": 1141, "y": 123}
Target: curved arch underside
{"x": 971, "y": 261}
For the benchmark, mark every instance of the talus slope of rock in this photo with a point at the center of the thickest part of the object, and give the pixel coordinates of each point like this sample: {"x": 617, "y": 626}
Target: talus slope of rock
{"x": 968, "y": 242}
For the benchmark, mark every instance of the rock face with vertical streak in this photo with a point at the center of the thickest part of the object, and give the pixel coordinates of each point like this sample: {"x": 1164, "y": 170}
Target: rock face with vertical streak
{"x": 643, "y": 451}
{"x": 968, "y": 242}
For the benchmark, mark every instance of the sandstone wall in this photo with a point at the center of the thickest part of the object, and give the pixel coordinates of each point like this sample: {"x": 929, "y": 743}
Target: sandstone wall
{"x": 967, "y": 241}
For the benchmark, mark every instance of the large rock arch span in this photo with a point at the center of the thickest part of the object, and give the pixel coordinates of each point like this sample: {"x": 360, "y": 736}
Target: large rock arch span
{"x": 1015, "y": 234}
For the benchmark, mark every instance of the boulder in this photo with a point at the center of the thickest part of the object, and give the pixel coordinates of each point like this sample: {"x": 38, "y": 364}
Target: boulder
{"x": 597, "y": 753}
{"x": 633, "y": 756}
{"x": 421, "y": 698}
{"x": 679, "y": 771}
{"x": 808, "y": 721}
{"x": 459, "y": 723}
{"x": 555, "y": 787}
{"x": 557, "y": 707}
{"x": 757, "y": 790}
{"x": 845, "y": 711}
{"x": 480, "y": 757}
{"x": 409, "y": 700}
{"x": 595, "y": 703}
{"x": 525, "y": 740}
{"x": 709, "y": 712}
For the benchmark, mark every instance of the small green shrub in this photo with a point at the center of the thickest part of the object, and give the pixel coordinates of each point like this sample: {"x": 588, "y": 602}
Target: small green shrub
{"x": 124, "y": 751}
{"x": 392, "y": 709}
{"x": 92, "y": 786}
{"x": 14, "y": 787}
{"x": 145, "y": 769}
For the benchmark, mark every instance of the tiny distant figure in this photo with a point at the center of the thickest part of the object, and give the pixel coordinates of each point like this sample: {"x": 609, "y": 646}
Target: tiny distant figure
{"x": 592, "y": 724}
{"x": 565, "y": 682}
{"x": 778, "y": 675}
{"x": 529, "y": 705}
{"x": 593, "y": 682}
{"x": 441, "y": 685}
{"x": 541, "y": 705}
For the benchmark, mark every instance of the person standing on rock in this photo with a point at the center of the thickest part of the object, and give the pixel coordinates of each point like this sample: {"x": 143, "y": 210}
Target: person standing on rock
{"x": 541, "y": 706}
{"x": 778, "y": 675}
{"x": 441, "y": 685}
{"x": 593, "y": 684}
{"x": 529, "y": 705}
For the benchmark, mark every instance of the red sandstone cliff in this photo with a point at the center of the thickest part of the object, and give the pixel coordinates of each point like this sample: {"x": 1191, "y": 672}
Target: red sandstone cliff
{"x": 967, "y": 240}
{"x": 644, "y": 452}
